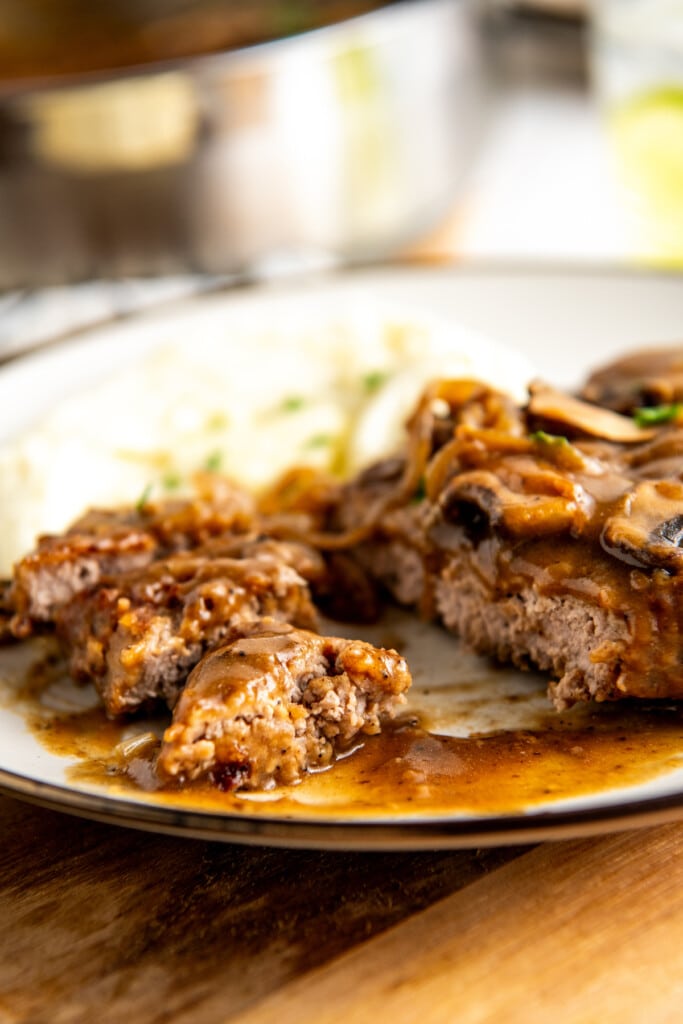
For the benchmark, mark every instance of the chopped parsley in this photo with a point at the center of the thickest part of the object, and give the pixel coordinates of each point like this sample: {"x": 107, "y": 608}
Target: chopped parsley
{"x": 217, "y": 421}
{"x": 292, "y": 404}
{"x": 373, "y": 381}
{"x": 214, "y": 462}
{"x": 172, "y": 481}
{"x": 652, "y": 416}
{"x": 556, "y": 440}
{"x": 143, "y": 499}
{"x": 420, "y": 492}
{"x": 318, "y": 441}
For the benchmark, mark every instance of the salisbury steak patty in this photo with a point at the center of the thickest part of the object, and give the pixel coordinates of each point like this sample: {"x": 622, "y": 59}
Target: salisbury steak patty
{"x": 103, "y": 543}
{"x": 138, "y": 636}
{"x": 562, "y": 550}
{"x": 579, "y": 643}
{"x": 546, "y": 535}
{"x": 268, "y": 707}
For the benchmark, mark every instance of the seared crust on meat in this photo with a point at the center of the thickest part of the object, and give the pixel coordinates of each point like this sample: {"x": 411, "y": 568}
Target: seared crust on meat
{"x": 269, "y": 707}
{"x": 138, "y": 637}
{"x": 103, "y": 543}
{"x": 61, "y": 566}
{"x": 139, "y": 597}
{"x": 551, "y": 535}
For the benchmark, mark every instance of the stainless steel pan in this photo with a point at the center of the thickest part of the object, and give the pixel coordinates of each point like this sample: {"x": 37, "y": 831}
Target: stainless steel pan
{"x": 345, "y": 142}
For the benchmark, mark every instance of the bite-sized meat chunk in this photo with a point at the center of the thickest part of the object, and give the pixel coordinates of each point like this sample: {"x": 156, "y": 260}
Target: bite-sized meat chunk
{"x": 103, "y": 543}
{"x": 340, "y": 587}
{"x": 271, "y": 706}
{"x": 650, "y": 377}
{"x": 138, "y": 637}
{"x": 61, "y": 566}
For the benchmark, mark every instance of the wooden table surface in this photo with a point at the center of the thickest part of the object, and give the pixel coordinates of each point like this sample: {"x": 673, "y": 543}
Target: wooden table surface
{"x": 104, "y": 924}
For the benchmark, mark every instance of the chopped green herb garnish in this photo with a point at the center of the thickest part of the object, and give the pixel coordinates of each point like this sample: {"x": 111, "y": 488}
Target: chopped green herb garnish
{"x": 651, "y": 416}
{"x": 373, "y": 381}
{"x": 172, "y": 481}
{"x": 420, "y": 492}
{"x": 217, "y": 421}
{"x": 318, "y": 441}
{"x": 293, "y": 403}
{"x": 143, "y": 499}
{"x": 214, "y": 462}
{"x": 556, "y": 440}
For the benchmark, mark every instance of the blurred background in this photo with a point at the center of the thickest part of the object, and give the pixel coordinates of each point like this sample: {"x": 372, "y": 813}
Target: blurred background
{"x": 157, "y": 148}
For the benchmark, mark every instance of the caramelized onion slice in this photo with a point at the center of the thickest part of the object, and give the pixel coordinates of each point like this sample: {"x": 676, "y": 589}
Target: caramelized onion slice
{"x": 419, "y": 448}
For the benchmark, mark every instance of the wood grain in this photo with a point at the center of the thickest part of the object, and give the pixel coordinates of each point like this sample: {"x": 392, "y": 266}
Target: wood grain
{"x": 110, "y": 925}
{"x": 580, "y": 931}
{"x": 116, "y": 926}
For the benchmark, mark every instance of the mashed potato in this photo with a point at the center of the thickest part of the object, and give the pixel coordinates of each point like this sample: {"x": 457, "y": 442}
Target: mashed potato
{"x": 249, "y": 398}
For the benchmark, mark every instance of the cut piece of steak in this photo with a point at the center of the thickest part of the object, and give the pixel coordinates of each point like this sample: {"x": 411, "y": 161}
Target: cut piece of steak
{"x": 138, "y": 636}
{"x": 394, "y": 554}
{"x": 584, "y": 646}
{"x": 103, "y": 543}
{"x": 269, "y": 707}
{"x": 565, "y": 555}
{"x": 548, "y": 535}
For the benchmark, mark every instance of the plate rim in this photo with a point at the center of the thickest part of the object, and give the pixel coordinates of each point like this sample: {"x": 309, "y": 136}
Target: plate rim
{"x": 307, "y": 833}
{"x": 447, "y": 832}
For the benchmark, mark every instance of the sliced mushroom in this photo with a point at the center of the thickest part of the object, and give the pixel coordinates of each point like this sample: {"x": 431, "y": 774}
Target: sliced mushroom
{"x": 652, "y": 376}
{"x": 552, "y": 409}
{"x": 667, "y": 445}
{"x": 647, "y": 528}
{"x": 481, "y": 500}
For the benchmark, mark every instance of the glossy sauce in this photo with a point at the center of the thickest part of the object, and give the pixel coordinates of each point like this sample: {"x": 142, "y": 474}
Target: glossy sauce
{"x": 582, "y": 520}
{"x": 408, "y": 770}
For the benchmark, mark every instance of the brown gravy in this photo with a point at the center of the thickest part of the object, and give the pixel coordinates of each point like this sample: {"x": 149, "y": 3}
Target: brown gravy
{"x": 408, "y": 770}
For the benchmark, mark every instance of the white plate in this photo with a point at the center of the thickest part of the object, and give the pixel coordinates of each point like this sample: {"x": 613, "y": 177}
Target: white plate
{"x": 564, "y": 323}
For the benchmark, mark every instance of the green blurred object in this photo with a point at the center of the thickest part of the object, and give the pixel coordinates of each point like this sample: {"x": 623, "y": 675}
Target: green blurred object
{"x": 638, "y": 68}
{"x": 647, "y": 133}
